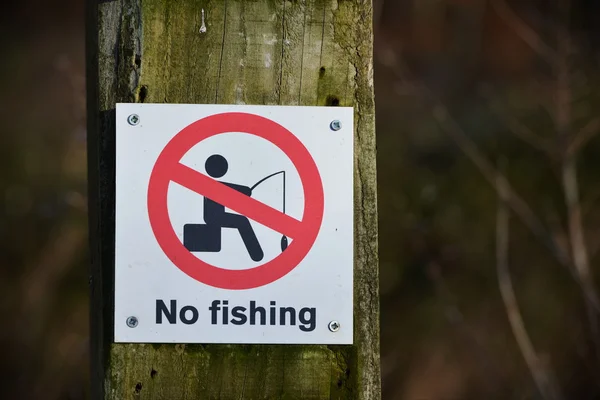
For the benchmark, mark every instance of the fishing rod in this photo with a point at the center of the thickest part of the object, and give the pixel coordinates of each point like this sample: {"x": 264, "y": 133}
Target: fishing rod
{"x": 284, "y": 239}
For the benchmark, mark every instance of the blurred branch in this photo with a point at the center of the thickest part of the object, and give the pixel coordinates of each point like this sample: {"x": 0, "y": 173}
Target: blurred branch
{"x": 577, "y": 239}
{"x": 509, "y": 196}
{"x": 582, "y": 137}
{"x": 516, "y": 203}
{"x": 519, "y": 129}
{"x": 564, "y": 98}
{"x": 524, "y": 31}
{"x": 455, "y": 317}
{"x": 546, "y": 385}
{"x": 557, "y": 230}
{"x": 489, "y": 172}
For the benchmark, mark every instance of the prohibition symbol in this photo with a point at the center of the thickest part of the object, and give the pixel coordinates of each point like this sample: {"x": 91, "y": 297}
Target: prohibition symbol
{"x": 168, "y": 168}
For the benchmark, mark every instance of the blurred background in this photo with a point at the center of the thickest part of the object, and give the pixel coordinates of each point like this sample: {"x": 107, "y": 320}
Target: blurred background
{"x": 43, "y": 201}
{"x": 488, "y": 159}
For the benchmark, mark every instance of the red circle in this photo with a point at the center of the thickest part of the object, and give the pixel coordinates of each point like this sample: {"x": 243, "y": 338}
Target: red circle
{"x": 159, "y": 215}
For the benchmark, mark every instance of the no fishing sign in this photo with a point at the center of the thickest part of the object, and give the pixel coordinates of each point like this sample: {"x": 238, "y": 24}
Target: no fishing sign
{"x": 234, "y": 224}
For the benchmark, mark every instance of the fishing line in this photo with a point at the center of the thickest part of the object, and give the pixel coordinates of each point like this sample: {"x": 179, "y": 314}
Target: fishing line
{"x": 284, "y": 239}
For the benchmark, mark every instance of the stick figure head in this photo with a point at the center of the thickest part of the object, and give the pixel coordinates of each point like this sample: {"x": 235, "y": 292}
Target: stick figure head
{"x": 216, "y": 165}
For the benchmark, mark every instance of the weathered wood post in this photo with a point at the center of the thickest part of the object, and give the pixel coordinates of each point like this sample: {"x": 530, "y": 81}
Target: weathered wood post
{"x": 300, "y": 52}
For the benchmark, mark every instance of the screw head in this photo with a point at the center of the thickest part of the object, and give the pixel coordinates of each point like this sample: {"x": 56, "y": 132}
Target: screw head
{"x": 334, "y": 326}
{"x": 132, "y": 322}
{"x": 133, "y": 119}
{"x": 335, "y": 125}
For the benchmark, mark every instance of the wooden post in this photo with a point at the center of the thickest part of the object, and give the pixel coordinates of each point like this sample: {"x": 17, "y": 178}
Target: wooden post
{"x": 299, "y": 52}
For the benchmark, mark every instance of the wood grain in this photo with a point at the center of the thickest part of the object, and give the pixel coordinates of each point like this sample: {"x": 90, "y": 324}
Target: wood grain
{"x": 308, "y": 52}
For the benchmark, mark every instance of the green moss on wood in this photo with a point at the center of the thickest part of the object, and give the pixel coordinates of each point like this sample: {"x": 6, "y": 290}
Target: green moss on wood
{"x": 225, "y": 372}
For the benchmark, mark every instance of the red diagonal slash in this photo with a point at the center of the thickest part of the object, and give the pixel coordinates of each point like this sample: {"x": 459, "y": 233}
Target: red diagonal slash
{"x": 238, "y": 202}
{"x": 168, "y": 169}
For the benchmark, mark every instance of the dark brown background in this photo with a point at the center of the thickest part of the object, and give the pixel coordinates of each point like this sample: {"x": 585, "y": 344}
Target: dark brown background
{"x": 445, "y": 331}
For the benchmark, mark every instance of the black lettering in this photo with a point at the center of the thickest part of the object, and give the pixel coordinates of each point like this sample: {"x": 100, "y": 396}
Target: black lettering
{"x": 254, "y": 310}
{"x": 309, "y": 324}
{"x": 183, "y": 317}
{"x": 291, "y": 311}
{"x": 161, "y": 308}
{"x": 225, "y": 312}
{"x": 272, "y": 313}
{"x": 239, "y": 313}
{"x": 214, "y": 309}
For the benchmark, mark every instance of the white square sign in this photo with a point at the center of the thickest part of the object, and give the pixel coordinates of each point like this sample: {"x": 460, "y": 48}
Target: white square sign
{"x": 234, "y": 224}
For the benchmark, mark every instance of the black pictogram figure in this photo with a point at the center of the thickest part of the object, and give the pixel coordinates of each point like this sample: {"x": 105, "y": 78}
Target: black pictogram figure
{"x": 207, "y": 237}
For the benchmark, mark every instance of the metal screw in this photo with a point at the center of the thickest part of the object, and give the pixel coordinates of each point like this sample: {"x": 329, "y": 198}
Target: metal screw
{"x": 132, "y": 322}
{"x": 335, "y": 125}
{"x": 334, "y": 326}
{"x": 133, "y": 119}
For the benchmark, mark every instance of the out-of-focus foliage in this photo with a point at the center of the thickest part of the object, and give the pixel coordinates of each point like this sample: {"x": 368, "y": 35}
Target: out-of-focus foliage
{"x": 466, "y": 65}
{"x": 442, "y": 67}
{"x": 43, "y": 228}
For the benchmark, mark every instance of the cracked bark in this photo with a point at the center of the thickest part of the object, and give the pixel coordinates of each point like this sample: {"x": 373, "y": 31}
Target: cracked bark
{"x": 306, "y": 52}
